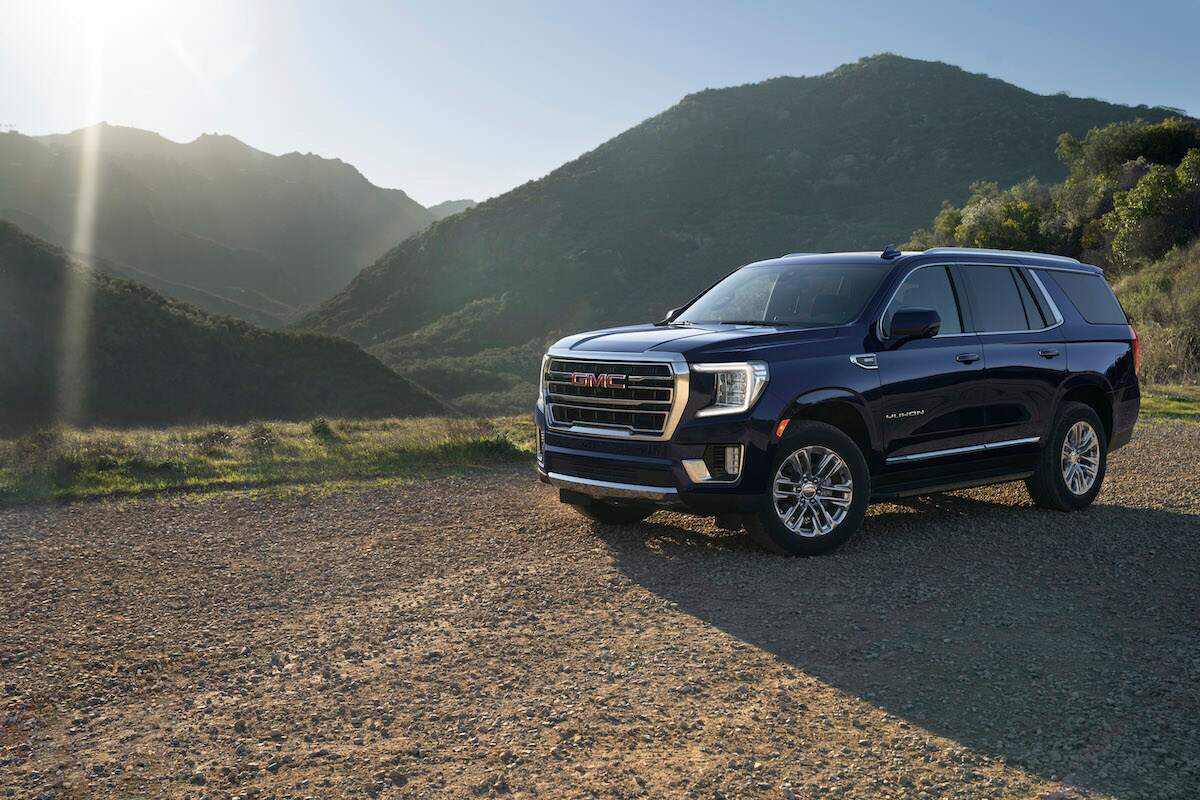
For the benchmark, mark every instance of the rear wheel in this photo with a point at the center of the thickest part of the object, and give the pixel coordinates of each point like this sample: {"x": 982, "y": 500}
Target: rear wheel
{"x": 1071, "y": 468}
{"x": 818, "y": 495}
{"x": 613, "y": 513}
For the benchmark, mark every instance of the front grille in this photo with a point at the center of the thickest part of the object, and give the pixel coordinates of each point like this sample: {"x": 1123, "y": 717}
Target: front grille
{"x": 639, "y": 404}
{"x": 611, "y": 471}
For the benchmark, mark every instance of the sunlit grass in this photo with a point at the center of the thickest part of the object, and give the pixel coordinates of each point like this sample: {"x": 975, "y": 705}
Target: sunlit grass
{"x": 1172, "y": 401}
{"x": 73, "y": 464}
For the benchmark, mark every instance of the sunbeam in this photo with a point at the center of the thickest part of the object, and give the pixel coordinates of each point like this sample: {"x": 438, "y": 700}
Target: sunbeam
{"x": 77, "y": 300}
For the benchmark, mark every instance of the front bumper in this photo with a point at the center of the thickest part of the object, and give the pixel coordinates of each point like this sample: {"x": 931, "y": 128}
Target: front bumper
{"x": 653, "y": 472}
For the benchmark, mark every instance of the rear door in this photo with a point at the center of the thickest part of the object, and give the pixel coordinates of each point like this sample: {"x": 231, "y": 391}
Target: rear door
{"x": 932, "y": 394}
{"x": 1024, "y": 357}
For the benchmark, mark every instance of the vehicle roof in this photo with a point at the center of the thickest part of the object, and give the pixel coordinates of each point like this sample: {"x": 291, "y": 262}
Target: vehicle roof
{"x": 934, "y": 254}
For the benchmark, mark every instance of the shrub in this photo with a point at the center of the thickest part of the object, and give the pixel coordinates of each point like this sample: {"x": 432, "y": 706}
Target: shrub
{"x": 262, "y": 438}
{"x": 323, "y": 430}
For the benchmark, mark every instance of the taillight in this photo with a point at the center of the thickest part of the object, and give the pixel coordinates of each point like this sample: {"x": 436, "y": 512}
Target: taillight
{"x": 1137, "y": 351}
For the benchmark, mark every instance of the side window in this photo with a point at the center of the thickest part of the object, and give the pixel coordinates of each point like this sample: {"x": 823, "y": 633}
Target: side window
{"x": 996, "y": 300}
{"x": 1093, "y": 298}
{"x": 927, "y": 287}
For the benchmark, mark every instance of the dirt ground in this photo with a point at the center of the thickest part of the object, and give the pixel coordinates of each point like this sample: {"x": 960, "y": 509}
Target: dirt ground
{"x": 471, "y": 637}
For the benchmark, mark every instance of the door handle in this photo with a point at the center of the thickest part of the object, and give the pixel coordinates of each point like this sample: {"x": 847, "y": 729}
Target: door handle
{"x": 1049, "y": 352}
{"x": 967, "y": 358}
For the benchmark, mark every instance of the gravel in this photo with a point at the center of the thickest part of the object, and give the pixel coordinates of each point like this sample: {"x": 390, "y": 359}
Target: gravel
{"x": 470, "y": 637}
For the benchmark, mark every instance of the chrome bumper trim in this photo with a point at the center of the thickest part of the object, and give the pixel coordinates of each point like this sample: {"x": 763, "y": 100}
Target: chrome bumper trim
{"x": 610, "y": 488}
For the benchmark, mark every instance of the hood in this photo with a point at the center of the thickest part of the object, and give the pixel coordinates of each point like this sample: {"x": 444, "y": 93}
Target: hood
{"x": 686, "y": 339}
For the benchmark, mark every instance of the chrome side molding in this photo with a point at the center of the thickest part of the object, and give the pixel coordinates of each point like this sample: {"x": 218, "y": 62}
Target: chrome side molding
{"x": 954, "y": 451}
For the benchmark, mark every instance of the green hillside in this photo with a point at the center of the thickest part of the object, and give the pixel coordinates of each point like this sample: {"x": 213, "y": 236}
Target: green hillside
{"x": 1131, "y": 204}
{"x": 852, "y": 159}
{"x": 151, "y": 360}
{"x": 213, "y": 221}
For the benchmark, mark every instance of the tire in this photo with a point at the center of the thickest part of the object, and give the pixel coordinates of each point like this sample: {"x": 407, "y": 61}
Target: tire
{"x": 816, "y": 529}
{"x": 1049, "y": 485}
{"x": 613, "y": 513}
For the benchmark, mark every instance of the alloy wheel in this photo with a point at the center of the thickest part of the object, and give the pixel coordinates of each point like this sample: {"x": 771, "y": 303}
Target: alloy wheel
{"x": 1080, "y": 458}
{"x": 813, "y": 489}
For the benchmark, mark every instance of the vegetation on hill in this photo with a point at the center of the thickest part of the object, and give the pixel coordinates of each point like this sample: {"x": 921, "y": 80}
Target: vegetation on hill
{"x": 212, "y": 222}
{"x": 147, "y": 359}
{"x": 852, "y": 159}
{"x": 1130, "y": 203}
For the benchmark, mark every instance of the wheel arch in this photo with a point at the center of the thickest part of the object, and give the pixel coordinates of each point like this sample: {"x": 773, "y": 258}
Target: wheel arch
{"x": 842, "y": 408}
{"x": 1093, "y": 391}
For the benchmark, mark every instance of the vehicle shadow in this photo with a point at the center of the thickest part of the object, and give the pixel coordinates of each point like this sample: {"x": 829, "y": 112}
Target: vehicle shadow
{"x": 1069, "y": 644}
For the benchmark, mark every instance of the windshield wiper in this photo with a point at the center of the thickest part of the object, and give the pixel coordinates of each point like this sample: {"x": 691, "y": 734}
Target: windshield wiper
{"x": 758, "y": 322}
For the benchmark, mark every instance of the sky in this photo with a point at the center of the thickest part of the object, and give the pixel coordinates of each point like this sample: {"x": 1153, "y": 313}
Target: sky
{"x": 453, "y": 100}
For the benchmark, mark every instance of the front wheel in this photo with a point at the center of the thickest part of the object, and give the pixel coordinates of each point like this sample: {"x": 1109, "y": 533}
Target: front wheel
{"x": 1071, "y": 468}
{"x": 818, "y": 495}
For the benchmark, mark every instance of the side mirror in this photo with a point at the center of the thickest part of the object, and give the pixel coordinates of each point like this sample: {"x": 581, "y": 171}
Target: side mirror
{"x": 670, "y": 315}
{"x": 915, "y": 323}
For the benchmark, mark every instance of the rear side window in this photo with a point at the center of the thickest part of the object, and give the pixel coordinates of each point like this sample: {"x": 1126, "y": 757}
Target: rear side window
{"x": 996, "y": 301}
{"x": 1093, "y": 298}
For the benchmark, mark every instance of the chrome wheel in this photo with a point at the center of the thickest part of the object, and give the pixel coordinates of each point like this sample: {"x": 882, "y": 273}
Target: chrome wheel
{"x": 813, "y": 490}
{"x": 1080, "y": 458}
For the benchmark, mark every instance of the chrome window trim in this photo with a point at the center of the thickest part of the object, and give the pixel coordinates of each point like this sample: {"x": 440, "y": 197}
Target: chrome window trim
{"x": 953, "y": 451}
{"x": 1058, "y": 317}
{"x": 598, "y": 488}
{"x": 679, "y": 397}
{"x": 1049, "y": 300}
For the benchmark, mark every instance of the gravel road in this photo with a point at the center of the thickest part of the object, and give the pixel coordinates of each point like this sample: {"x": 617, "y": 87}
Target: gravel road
{"x": 470, "y": 637}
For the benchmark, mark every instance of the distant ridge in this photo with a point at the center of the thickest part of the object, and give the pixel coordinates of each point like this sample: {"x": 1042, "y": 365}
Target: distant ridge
{"x": 451, "y": 207}
{"x": 269, "y": 234}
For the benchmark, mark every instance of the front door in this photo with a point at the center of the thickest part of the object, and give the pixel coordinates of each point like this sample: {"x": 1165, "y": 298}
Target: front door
{"x": 932, "y": 395}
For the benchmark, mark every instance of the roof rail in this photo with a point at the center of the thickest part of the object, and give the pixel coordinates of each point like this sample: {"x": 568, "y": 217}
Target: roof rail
{"x": 789, "y": 255}
{"x": 969, "y": 251}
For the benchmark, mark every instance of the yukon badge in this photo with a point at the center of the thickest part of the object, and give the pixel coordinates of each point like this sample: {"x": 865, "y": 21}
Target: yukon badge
{"x": 902, "y": 414}
{"x": 598, "y": 381}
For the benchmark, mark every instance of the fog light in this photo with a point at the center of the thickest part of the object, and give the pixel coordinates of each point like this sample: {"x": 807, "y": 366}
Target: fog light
{"x": 733, "y": 460}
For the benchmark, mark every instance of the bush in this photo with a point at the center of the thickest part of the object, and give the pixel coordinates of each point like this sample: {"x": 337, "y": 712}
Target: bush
{"x": 262, "y": 438}
{"x": 323, "y": 430}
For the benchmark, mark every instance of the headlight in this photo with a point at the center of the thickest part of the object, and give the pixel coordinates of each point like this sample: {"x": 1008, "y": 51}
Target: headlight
{"x": 737, "y": 386}
{"x": 541, "y": 398}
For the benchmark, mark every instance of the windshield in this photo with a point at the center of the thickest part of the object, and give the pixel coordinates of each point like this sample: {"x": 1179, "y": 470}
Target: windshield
{"x": 794, "y": 295}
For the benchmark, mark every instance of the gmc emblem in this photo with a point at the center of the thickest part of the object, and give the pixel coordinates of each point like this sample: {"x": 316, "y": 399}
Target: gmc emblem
{"x": 597, "y": 381}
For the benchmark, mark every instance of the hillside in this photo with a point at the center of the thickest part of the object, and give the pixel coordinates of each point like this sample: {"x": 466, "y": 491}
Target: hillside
{"x": 152, "y": 360}
{"x": 213, "y": 221}
{"x": 855, "y": 158}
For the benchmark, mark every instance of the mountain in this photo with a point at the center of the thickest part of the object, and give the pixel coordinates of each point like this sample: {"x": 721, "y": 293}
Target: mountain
{"x": 213, "y": 221}
{"x": 450, "y": 207}
{"x": 852, "y": 159}
{"x": 148, "y": 359}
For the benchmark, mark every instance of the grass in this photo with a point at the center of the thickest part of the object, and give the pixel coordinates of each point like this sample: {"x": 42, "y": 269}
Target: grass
{"x": 1172, "y": 401}
{"x": 324, "y": 454}
{"x": 78, "y": 464}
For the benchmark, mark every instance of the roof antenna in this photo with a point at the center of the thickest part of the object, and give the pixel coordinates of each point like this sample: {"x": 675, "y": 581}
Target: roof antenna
{"x": 890, "y": 252}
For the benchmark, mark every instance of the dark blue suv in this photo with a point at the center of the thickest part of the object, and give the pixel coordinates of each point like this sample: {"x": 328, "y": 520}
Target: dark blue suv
{"x": 795, "y": 391}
